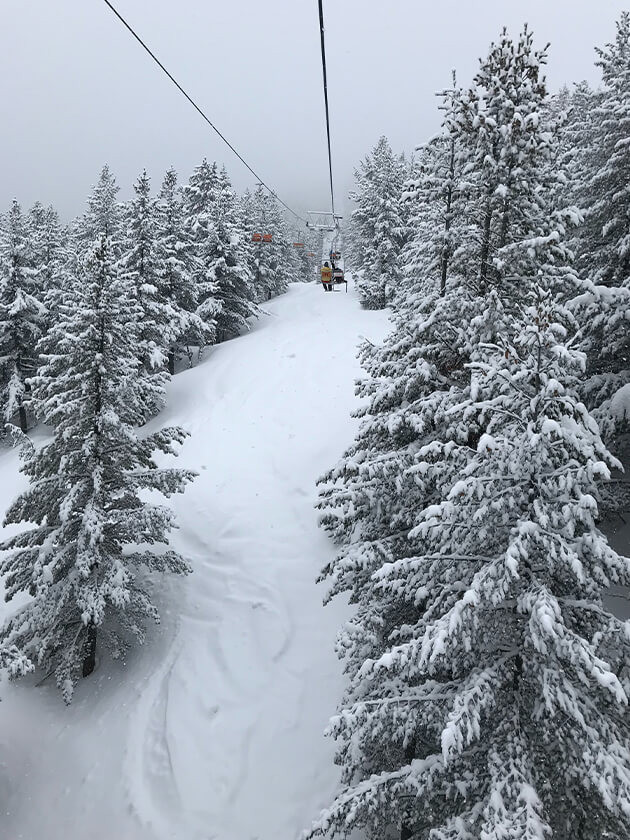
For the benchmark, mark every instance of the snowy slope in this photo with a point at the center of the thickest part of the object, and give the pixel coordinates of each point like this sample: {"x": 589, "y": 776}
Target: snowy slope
{"x": 214, "y": 729}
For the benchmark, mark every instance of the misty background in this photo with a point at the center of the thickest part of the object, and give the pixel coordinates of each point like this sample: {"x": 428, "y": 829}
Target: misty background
{"x": 77, "y": 91}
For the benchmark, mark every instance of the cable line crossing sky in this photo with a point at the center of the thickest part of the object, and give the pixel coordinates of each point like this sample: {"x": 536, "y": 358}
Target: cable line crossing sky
{"x": 205, "y": 117}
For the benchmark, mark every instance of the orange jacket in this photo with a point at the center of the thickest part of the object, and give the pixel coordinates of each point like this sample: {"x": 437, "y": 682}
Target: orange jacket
{"x": 326, "y": 274}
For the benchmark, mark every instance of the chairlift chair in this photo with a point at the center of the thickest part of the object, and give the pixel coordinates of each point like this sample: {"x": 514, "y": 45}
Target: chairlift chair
{"x": 338, "y": 277}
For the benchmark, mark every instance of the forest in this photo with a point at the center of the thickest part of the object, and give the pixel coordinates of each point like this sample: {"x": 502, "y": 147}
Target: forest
{"x": 477, "y": 518}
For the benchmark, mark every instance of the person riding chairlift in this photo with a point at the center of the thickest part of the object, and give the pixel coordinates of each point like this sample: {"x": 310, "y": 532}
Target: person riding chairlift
{"x": 327, "y": 274}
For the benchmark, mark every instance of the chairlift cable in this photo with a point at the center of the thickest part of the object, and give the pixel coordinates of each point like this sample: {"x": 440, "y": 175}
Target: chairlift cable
{"x": 321, "y": 29}
{"x": 203, "y": 115}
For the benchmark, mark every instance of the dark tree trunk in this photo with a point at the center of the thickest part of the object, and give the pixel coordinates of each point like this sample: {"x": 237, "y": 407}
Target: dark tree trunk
{"x": 22, "y": 413}
{"x": 505, "y": 224}
{"x": 89, "y": 650}
{"x": 171, "y": 362}
{"x": 89, "y": 660}
{"x": 485, "y": 248}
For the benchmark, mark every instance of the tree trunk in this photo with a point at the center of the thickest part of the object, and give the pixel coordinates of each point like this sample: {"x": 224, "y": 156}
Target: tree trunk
{"x": 171, "y": 362}
{"x": 22, "y": 413}
{"x": 89, "y": 659}
{"x": 447, "y": 220}
{"x": 485, "y": 248}
{"x": 505, "y": 224}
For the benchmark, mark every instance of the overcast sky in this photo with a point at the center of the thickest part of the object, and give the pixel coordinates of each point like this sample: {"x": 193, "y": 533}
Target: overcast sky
{"x": 77, "y": 91}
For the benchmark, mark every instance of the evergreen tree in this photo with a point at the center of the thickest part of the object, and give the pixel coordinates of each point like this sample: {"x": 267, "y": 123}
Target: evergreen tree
{"x": 103, "y": 216}
{"x": 200, "y": 195}
{"x": 177, "y": 274}
{"x": 504, "y": 233}
{"x": 495, "y": 706}
{"x": 380, "y": 218}
{"x": 604, "y": 128}
{"x": 306, "y": 264}
{"x": 47, "y": 244}
{"x": 353, "y": 250}
{"x": 22, "y": 315}
{"x": 271, "y": 261}
{"x": 51, "y": 256}
{"x": 82, "y": 563}
{"x": 250, "y": 224}
{"x": 600, "y": 133}
{"x": 225, "y": 253}
{"x": 433, "y": 196}
{"x": 421, "y": 369}
{"x": 505, "y": 159}
{"x": 296, "y": 263}
{"x": 144, "y": 263}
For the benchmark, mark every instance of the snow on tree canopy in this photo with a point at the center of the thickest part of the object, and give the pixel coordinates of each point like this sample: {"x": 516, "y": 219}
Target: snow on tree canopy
{"x": 380, "y": 222}
{"x": 84, "y": 563}
{"x": 22, "y": 314}
{"x": 488, "y": 683}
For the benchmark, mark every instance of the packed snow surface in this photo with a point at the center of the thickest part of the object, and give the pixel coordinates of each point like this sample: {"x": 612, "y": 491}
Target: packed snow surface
{"x": 214, "y": 729}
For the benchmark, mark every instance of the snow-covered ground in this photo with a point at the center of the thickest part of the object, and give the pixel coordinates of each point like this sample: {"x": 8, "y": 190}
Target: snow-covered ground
{"x": 214, "y": 728}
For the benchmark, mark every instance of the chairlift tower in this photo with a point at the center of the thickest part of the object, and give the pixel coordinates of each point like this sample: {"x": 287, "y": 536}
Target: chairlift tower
{"x": 323, "y": 221}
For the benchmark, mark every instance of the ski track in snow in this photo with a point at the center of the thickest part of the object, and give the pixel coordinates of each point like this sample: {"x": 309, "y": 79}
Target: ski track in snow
{"x": 214, "y": 730}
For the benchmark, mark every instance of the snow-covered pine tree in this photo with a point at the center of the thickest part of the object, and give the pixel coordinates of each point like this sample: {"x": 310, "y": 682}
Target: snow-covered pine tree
{"x": 225, "y": 254}
{"x": 423, "y": 361}
{"x": 353, "y": 249}
{"x": 505, "y": 160}
{"x": 306, "y": 264}
{"x": 103, "y": 216}
{"x": 47, "y": 241}
{"x": 602, "y": 138}
{"x": 280, "y": 266}
{"x": 51, "y": 256}
{"x": 579, "y": 127}
{"x": 601, "y": 132}
{"x": 380, "y": 217}
{"x": 144, "y": 264}
{"x": 292, "y": 254}
{"x": 425, "y": 256}
{"x": 272, "y": 261}
{"x": 200, "y": 194}
{"x": 499, "y": 710}
{"x": 250, "y": 223}
{"x": 85, "y": 561}
{"x": 434, "y": 207}
{"x": 371, "y": 502}
{"x": 576, "y": 153}
{"x": 22, "y": 315}
{"x": 177, "y": 274}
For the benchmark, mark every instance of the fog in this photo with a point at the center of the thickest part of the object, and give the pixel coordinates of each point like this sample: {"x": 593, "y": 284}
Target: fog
{"x": 77, "y": 90}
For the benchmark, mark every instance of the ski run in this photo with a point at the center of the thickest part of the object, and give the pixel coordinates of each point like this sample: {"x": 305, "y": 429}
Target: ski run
{"x": 215, "y": 730}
